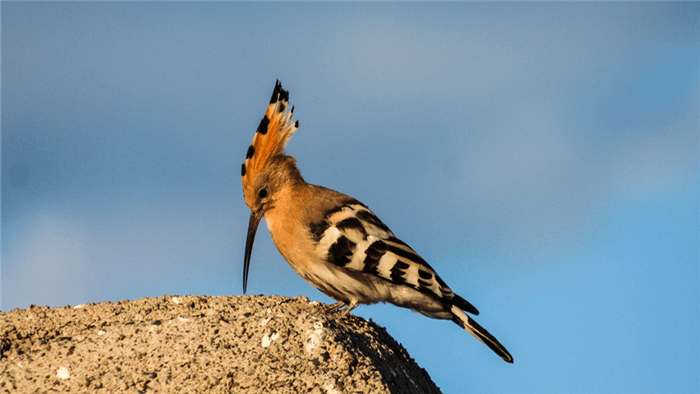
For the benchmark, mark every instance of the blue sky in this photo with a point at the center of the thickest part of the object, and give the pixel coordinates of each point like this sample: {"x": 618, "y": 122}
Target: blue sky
{"x": 543, "y": 157}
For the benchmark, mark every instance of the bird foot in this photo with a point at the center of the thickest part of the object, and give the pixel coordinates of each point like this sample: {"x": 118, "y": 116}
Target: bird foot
{"x": 335, "y": 308}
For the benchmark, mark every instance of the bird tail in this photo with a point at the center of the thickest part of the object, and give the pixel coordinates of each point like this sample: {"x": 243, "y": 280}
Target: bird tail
{"x": 472, "y": 327}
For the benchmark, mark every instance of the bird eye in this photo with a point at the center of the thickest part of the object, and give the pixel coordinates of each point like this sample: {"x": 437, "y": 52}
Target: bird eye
{"x": 263, "y": 193}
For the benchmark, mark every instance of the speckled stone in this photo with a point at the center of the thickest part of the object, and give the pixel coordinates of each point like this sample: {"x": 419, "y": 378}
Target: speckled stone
{"x": 190, "y": 344}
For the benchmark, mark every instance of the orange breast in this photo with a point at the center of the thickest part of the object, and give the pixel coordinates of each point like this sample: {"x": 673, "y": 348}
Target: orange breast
{"x": 284, "y": 220}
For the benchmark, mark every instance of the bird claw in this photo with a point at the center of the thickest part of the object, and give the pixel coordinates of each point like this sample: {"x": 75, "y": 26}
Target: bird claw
{"x": 335, "y": 308}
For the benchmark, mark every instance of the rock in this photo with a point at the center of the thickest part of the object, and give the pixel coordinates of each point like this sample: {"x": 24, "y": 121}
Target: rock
{"x": 246, "y": 344}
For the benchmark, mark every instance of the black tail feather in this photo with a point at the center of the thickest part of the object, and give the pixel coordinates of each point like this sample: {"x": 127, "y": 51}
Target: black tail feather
{"x": 484, "y": 336}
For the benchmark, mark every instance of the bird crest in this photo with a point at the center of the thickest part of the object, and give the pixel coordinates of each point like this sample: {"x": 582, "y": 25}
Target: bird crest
{"x": 271, "y": 137}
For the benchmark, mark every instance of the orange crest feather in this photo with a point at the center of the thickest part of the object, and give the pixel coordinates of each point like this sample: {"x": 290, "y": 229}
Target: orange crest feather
{"x": 272, "y": 135}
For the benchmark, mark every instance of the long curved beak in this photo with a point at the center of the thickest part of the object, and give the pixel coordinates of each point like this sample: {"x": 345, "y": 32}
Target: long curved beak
{"x": 253, "y": 223}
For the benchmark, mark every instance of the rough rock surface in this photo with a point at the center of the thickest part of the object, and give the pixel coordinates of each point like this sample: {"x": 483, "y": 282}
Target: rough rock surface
{"x": 195, "y": 344}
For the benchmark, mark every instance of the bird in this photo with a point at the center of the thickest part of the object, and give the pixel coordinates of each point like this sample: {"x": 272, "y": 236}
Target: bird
{"x": 335, "y": 242}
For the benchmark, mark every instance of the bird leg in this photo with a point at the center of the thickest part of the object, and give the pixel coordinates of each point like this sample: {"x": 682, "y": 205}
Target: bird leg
{"x": 340, "y": 304}
{"x": 348, "y": 308}
{"x": 335, "y": 307}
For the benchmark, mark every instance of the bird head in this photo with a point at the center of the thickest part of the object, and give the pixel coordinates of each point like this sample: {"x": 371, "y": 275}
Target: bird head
{"x": 266, "y": 167}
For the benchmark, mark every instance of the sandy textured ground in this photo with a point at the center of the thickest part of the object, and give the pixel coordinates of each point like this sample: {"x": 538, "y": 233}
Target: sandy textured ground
{"x": 196, "y": 344}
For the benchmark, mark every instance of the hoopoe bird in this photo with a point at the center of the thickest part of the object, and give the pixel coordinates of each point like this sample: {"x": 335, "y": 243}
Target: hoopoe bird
{"x": 334, "y": 241}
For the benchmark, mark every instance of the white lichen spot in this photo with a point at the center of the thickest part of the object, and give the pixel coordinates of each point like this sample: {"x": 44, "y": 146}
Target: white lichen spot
{"x": 81, "y": 306}
{"x": 315, "y": 337}
{"x": 101, "y": 332}
{"x": 331, "y": 389}
{"x": 264, "y": 322}
{"x": 176, "y": 300}
{"x": 267, "y": 339}
{"x": 63, "y": 373}
{"x": 183, "y": 318}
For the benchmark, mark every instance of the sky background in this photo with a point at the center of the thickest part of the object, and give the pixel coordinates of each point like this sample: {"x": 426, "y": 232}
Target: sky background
{"x": 542, "y": 157}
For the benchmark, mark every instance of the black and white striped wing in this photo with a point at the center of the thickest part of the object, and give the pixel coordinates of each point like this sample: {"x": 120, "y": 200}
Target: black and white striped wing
{"x": 351, "y": 236}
